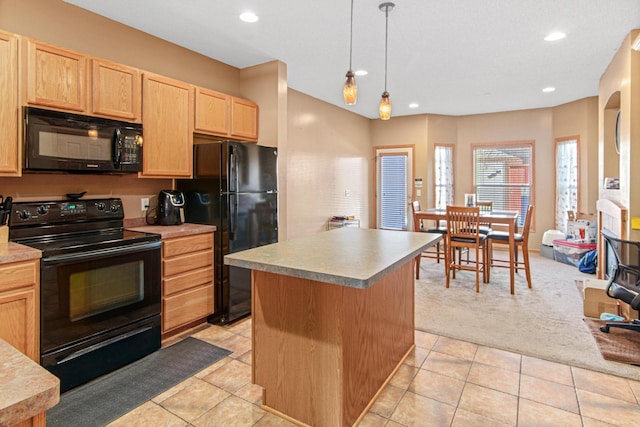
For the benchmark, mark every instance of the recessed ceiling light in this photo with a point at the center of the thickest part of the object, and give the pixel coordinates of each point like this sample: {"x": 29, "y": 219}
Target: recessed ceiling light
{"x": 361, "y": 73}
{"x": 555, "y": 36}
{"x": 249, "y": 17}
{"x": 414, "y": 105}
{"x": 549, "y": 89}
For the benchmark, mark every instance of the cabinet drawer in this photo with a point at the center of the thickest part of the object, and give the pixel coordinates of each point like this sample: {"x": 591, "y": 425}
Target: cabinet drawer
{"x": 181, "y": 264}
{"x": 184, "y": 245}
{"x": 181, "y": 282}
{"x": 187, "y": 307}
{"x": 18, "y": 275}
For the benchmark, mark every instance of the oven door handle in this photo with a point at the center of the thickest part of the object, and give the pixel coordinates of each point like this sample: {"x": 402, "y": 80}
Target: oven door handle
{"x": 120, "y": 250}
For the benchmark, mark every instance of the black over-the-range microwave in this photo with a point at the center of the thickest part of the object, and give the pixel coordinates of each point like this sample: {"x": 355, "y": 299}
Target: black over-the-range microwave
{"x": 58, "y": 141}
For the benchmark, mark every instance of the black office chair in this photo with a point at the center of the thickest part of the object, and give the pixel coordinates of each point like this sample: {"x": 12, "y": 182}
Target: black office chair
{"x": 624, "y": 277}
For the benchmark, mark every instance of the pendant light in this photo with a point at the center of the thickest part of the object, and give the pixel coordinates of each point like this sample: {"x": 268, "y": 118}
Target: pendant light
{"x": 350, "y": 89}
{"x": 385, "y": 103}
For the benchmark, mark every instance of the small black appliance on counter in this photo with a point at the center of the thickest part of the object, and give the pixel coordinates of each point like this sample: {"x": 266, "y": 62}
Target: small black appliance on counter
{"x": 170, "y": 208}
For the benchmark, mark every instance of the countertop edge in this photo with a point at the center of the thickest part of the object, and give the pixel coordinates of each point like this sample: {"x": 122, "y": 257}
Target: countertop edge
{"x": 35, "y": 389}
{"x": 15, "y": 252}
{"x": 335, "y": 279}
{"x": 173, "y": 231}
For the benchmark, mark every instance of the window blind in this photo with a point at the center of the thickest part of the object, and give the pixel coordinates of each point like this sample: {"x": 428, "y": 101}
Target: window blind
{"x": 502, "y": 174}
{"x": 393, "y": 191}
{"x": 443, "y": 171}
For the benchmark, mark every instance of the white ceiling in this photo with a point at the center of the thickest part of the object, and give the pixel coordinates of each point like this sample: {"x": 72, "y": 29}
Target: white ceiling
{"x": 453, "y": 57}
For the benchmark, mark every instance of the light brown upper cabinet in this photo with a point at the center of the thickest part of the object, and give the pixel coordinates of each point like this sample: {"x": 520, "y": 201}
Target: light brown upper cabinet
{"x": 168, "y": 127}
{"x": 244, "y": 119}
{"x": 115, "y": 91}
{"x": 66, "y": 80}
{"x": 224, "y": 115}
{"x": 10, "y": 153}
{"x": 212, "y": 112}
{"x": 55, "y": 77}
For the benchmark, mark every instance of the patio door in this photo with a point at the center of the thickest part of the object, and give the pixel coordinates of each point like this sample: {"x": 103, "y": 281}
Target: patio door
{"x": 394, "y": 179}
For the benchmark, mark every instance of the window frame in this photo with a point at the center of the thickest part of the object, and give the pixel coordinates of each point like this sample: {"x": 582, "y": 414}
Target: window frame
{"x": 435, "y": 173}
{"x": 557, "y": 142}
{"x": 501, "y": 145}
{"x": 385, "y": 150}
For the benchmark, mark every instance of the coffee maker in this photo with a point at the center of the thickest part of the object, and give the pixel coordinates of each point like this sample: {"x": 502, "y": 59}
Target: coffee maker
{"x": 170, "y": 208}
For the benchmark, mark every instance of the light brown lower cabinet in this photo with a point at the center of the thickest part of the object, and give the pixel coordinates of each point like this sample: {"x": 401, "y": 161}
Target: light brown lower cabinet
{"x": 187, "y": 282}
{"x": 19, "y": 313}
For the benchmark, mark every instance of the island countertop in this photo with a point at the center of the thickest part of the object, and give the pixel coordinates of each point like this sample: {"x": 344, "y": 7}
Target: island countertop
{"x": 353, "y": 257}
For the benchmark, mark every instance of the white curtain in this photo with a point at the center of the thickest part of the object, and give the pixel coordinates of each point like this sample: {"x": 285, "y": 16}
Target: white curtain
{"x": 443, "y": 169}
{"x": 566, "y": 181}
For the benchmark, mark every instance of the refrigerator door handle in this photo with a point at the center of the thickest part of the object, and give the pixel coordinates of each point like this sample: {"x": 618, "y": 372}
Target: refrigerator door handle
{"x": 233, "y": 223}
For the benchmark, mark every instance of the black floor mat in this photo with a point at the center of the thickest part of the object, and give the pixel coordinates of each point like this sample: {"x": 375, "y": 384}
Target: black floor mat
{"x": 107, "y": 398}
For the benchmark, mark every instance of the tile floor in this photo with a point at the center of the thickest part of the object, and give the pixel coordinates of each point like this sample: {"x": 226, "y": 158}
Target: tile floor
{"x": 445, "y": 382}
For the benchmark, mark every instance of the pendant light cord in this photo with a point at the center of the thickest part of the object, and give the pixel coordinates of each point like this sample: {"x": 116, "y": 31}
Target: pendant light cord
{"x": 386, "y": 41}
{"x": 351, "y": 37}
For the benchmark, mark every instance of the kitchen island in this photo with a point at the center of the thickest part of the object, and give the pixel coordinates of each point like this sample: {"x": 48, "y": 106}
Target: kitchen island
{"x": 333, "y": 318}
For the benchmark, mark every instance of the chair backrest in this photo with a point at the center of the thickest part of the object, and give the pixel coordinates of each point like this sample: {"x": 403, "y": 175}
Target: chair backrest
{"x": 463, "y": 221}
{"x": 624, "y": 272}
{"x": 485, "y": 206}
{"x": 417, "y": 224}
{"x": 527, "y": 225}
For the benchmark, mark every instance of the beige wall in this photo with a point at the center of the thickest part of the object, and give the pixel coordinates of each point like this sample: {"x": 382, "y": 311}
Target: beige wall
{"x": 620, "y": 90}
{"x": 328, "y": 152}
{"x": 324, "y": 151}
{"x": 65, "y": 25}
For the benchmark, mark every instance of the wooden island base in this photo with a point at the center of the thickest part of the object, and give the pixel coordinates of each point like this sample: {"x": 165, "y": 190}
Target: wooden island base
{"x": 323, "y": 352}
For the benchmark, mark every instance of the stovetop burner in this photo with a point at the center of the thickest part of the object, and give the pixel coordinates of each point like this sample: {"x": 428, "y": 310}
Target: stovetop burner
{"x": 58, "y": 227}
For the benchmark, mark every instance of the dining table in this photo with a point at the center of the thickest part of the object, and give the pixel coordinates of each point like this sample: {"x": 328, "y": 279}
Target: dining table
{"x": 507, "y": 218}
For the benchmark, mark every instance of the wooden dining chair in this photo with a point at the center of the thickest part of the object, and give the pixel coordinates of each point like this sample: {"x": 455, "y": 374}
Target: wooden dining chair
{"x": 485, "y": 206}
{"x": 438, "y": 251}
{"x": 521, "y": 241}
{"x": 463, "y": 232}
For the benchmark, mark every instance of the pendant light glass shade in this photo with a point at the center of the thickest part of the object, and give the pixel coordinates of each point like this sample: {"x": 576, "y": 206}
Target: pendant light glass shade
{"x": 385, "y": 106}
{"x": 350, "y": 89}
{"x": 384, "y": 109}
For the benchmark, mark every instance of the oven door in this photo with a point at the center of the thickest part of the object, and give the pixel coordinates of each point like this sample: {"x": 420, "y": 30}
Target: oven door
{"x": 90, "y": 294}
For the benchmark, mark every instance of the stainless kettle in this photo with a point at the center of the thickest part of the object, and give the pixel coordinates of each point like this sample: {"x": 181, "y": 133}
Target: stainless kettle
{"x": 170, "y": 208}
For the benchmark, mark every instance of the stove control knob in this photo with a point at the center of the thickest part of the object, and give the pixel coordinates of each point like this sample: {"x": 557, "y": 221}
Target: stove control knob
{"x": 43, "y": 209}
{"x": 24, "y": 215}
{"x": 100, "y": 206}
{"x": 115, "y": 208}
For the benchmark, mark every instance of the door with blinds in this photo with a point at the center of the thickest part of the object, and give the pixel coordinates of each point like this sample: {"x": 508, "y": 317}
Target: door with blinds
{"x": 394, "y": 176}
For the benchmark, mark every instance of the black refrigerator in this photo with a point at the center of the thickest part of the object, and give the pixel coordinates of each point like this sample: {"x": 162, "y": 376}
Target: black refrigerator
{"x": 235, "y": 188}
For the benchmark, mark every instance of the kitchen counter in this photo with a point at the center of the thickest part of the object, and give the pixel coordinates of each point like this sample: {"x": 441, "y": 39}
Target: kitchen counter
{"x": 332, "y": 320}
{"x": 170, "y": 231}
{"x": 27, "y": 388}
{"x": 353, "y": 257}
{"x": 14, "y": 252}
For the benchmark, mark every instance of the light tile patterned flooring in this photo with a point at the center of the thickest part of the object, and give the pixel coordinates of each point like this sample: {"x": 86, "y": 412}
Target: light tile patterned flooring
{"x": 444, "y": 382}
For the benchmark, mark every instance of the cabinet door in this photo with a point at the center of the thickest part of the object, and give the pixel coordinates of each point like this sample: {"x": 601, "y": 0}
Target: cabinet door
{"x": 116, "y": 90}
{"x": 18, "y": 298}
{"x": 56, "y": 77}
{"x": 212, "y": 112}
{"x": 17, "y": 320}
{"x": 9, "y": 111}
{"x": 168, "y": 127}
{"x": 244, "y": 119}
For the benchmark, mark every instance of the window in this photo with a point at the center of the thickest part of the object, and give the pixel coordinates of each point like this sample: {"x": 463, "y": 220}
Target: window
{"x": 566, "y": 180}
{"x": 394, "y": 176}
{"x": 502, "y": 174}
{"x": 443, "y": 175}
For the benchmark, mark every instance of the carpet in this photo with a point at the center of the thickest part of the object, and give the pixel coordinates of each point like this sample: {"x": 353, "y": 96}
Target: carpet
{"x": 619, "y": 345}
{"x": 543, "y": 322}
{"x": 107, "y": 398}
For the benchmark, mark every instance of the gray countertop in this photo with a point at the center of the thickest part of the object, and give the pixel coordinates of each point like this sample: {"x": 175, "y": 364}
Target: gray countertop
{"x": 354, "y": 257}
